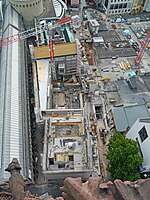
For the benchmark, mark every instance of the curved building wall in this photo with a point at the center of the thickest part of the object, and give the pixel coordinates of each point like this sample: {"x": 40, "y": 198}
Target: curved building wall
{"x": 28, "y": 9}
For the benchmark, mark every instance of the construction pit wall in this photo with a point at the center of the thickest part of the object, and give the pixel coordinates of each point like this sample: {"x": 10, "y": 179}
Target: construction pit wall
{"x": 56, "y": 95}
{"x": 65, "y": 147}
{"x": 42, "y": 84}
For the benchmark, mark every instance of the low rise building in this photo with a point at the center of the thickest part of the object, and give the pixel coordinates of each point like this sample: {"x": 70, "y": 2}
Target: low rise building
{"x": 113, "y": 7}
{"x": 125, "y": 116}
{"x": 94, "y": 26}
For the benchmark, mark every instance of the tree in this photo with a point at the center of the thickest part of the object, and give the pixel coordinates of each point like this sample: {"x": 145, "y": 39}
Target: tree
{"x": 124, "y": 159}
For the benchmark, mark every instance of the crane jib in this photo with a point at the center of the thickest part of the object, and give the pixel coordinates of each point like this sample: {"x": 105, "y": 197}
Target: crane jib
{"x": 9, "y": 40}
{"x": 38, "y": 29}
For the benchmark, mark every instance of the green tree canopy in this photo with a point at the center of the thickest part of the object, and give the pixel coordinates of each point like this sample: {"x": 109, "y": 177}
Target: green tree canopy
{"x": 124, "y": 159}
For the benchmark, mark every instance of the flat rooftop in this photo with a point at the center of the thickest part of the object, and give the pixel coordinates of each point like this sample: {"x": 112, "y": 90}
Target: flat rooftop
{"x": 94, "y": 22}
{"x": 64, "y": 49}
{"x": 113, "y": 38}
{"x": 140, "y": 95}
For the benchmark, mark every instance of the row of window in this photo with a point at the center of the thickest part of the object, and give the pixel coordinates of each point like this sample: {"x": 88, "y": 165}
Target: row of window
{"x": 116, "y": 6}
{"x": 27, "y": 5}
{"x": 143, "y": 134}
{"x": 119, "y": 11}
{"x": 119, "y": 0}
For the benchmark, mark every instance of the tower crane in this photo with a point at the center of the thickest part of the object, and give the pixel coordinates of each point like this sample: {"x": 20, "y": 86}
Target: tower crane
{"x": 142, "y": 49}
{"x": 39, "y": 29}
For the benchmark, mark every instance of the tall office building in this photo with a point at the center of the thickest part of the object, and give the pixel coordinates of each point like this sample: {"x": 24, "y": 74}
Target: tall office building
{"x": 15, "y": 131}
{"x": 117, "y": 6}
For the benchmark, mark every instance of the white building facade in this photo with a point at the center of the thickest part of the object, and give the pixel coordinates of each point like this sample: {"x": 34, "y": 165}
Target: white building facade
{"x": 15, "y": 134}
{"x": 140, "y": 132}
{"x": 114, "y": 7}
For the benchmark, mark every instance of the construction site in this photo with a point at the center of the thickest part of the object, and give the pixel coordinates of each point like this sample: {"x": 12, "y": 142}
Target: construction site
{"x": 78, "y": 79}
{"x": 82, "y": 71}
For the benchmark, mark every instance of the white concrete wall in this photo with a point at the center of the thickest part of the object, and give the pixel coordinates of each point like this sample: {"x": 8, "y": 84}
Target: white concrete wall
{"x": 28, "y": 9}
{"x": 145, "y": 145}
{"x": 119, "y": 10}
{"x": 147, "y": 6}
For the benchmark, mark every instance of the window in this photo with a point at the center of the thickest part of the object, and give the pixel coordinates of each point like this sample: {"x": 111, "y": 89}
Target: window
{"x": 60, "y": 166}
{"x": 116, "y": 6}
{"x": 71, "y": 158}
{"x": 139, "y": 147}
{"x": 111, "y": 6}
{"x": 143, "y": 134}
{"x": 51, "y": 161}
{"x": 125, "y": 5}
{"x": 120, "y": 5}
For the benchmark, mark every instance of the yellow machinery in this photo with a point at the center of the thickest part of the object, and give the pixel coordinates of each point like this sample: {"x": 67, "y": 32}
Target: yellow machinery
{"x": 105, "y": 79}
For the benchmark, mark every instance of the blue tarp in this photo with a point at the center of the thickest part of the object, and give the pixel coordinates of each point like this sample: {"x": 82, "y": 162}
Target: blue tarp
{"x": 126, "y": 32}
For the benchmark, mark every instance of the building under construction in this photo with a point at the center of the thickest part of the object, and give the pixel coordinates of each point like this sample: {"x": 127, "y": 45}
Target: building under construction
{"x": 59, "y": 103}
{"x": 65, "y": 146}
